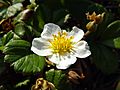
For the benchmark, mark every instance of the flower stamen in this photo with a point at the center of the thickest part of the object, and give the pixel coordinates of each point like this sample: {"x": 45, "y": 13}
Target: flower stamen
{"x": 61, "y": 43}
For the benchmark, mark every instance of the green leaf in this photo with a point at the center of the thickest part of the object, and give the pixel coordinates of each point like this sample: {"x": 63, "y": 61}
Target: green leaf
{"x": 12, "y": 10}
{"x": 20, "y": 29}
{"x": 24, "y": 31}
{"x": 104, "y": 58}
{"x": 17, "y": 1}
{"x": 1, "y": 46}
{"x": 19, "y": 55}
{"x": 112, "y": 31}
{"x": 25, "y": 82}
{"x": 54, "y": 76}
{"x": 18, "y": 43}
{"x": 58, "y": 78}
{"x": 114, "y": 43}
{"x": 7, "y": 37}
{"x": 0, "y": 41}
{"x": 50, "y": 75}
{"x": 2, "y": 13}
{"x": 17, "y": 47}
{"x": 12, "y": 58}
{"x": 30, "y": 63}
{"x": 39, "y": 18}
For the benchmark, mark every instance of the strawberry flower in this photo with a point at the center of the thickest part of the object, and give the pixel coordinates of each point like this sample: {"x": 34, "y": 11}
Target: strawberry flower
{"x": 59, "y": 46}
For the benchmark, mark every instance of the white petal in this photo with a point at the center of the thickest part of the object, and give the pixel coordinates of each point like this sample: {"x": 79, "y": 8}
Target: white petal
{"x": 49, "y": 30}
{"x": 77, "y": 34}
{"x": 55, "y": 58}
{"x": 66, "y": 61}
{"x": 82, "y": 49}
{"x": 62, "y": 66}
{"x": 40, "y": 47}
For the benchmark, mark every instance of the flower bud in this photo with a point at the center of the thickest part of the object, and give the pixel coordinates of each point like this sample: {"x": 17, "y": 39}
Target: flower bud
{"x": 42, "y": 84}
{"x": 91, "y": 26}
{"x": 94, "y": 17}
{"x": 99, "y": 18}
{"x": 91, "y": 17}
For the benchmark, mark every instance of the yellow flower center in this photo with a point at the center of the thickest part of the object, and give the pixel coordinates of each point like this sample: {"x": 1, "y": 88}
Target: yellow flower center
{"x": 61, "y": 43}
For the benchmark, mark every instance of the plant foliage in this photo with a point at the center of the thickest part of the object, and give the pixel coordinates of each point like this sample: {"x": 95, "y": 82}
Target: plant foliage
{"x": 23, "y": 20}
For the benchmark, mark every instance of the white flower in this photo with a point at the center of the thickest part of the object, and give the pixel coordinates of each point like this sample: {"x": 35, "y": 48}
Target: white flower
{"x": 59, "y": 46}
